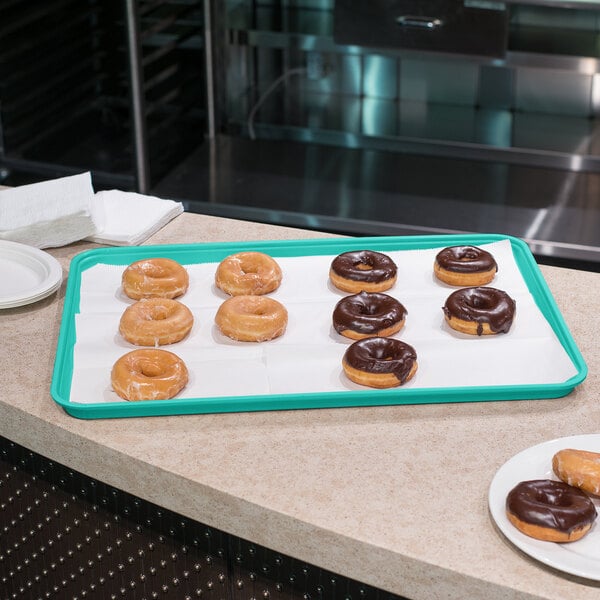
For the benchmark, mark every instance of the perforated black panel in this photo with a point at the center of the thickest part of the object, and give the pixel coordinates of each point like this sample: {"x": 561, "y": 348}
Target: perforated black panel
{"x": 66, "y": 536}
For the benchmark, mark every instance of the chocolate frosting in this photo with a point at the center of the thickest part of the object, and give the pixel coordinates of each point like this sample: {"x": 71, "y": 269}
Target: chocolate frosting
{"x": 367, "y": 313}
{"x": 551, "y": 504}
{"x": 483, "y": 305}
{"x": 364, "y": 265}
{"x": 382, "y": 355}
{"x": 465, "y": 259}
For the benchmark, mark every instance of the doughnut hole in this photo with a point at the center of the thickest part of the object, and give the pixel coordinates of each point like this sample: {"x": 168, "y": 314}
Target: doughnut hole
{"x": 148, "y": 369}
{"x": 159, "y": 313}
{"x": 152, "y": 270}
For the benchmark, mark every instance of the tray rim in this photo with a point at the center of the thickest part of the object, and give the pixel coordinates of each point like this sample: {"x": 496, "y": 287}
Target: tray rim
{"x": 304, "y": 247}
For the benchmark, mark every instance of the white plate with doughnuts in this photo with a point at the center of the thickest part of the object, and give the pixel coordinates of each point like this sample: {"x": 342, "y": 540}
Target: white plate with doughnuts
{"x": 580, "y": 558}
{"x": 29, "y": 274}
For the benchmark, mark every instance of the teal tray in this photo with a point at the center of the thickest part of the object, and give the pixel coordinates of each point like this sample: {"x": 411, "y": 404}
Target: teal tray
{"x": 214, "y": 252}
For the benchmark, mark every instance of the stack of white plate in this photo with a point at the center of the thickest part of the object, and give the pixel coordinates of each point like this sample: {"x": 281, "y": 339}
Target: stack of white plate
{"x": 27, "y": 274}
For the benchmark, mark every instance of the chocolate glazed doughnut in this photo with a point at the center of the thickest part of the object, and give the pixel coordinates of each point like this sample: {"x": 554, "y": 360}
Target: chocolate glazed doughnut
{"x": 465, "y": 265}
{"x": 368, "y": 314}
{"x": 380, "y": 362}
{"x": 363, "y": 270}
{"x": 550, "y": 510}
{"x": 479, "y": 311}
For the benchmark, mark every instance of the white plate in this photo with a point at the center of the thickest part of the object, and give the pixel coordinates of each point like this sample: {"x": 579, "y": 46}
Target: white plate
{"x": 581, "y": 558}
{"x": 27, "y": 274}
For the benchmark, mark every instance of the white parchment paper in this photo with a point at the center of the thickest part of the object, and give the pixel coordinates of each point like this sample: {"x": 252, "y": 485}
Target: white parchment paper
{"x": 307, "y": 358}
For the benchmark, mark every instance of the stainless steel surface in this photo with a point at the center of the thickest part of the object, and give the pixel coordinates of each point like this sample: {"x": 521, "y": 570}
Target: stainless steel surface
{"x": 454, "y": 26}
{"x": 535, "y": 107}
{"x": 369, "y": 192}
{"x": 138, "y": 103}
{"x": 209, "y": 67}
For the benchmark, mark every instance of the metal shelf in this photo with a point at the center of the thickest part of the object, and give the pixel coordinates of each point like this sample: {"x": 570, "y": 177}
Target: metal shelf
{"x": 68, "y": 101}
{"x": 295, "y": 113}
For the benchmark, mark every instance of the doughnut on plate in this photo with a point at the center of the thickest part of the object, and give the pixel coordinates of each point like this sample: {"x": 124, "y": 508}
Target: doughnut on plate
{"x": 581, "y": 558}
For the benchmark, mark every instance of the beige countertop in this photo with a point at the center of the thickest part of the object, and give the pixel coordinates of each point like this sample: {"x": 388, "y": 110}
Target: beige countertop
{"x": 393, "y": 496}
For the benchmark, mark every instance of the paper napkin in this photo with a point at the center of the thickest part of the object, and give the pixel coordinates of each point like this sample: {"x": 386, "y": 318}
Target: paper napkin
{"x": 48, "y": 214}
{"x": 128, "y": 218}
{"x": 61, "y": 211}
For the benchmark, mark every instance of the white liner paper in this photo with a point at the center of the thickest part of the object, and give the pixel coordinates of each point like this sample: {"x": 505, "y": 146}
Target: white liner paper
{"x": 307, "y": 358}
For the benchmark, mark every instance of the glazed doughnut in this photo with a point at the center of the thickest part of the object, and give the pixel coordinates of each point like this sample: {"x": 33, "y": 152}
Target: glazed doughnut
{"x": 550, "y": 510}
{"x": 363, "y": 271}
{"x": 380, "y": 362}
{"x": 368, "y": 314}
{"x": 155, "y": 278}
{"x": 155, "y": 322}
{"x": 248, "y": 274}
{"x": 251, "y": 318}
{"x": 579, "y": 468}
{"x": 479, "y": 311}
{"x": 149, "y": 374}
{"x": 465, "y": 266}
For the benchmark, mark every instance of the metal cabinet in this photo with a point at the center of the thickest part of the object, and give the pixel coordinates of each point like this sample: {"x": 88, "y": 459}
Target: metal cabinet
{"x": 457, "y": 26}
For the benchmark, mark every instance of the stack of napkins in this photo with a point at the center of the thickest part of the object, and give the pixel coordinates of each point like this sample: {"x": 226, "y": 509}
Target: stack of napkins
{"x": 127, "y": 218}
{"x": 49, "y": 214}
{"x": 61, "y": 211}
